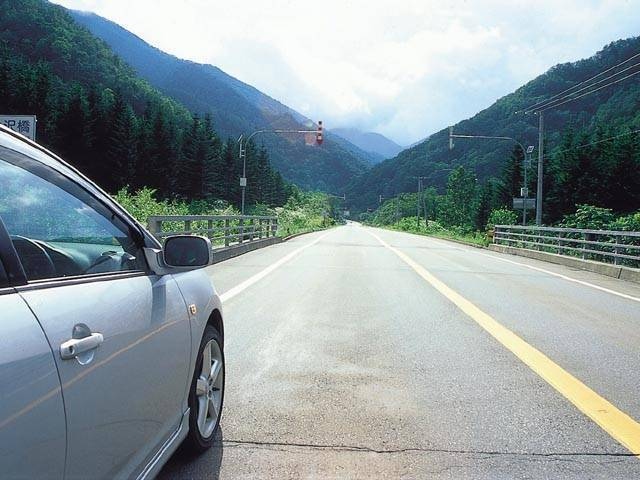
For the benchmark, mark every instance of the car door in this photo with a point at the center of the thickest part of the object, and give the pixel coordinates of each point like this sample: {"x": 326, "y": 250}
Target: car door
{"x": 120, "y": 335}
{"x": 32, "y": 422}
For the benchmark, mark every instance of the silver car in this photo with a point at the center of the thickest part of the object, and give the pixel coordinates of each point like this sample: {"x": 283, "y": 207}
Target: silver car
{"x": 111, "y": 346}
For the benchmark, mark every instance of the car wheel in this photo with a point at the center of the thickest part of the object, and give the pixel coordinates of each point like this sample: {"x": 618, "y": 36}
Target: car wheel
{"x": 207, "y": 392}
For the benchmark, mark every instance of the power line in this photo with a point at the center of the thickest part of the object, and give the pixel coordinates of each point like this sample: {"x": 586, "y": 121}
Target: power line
{"x": 590, "y": 92}
{"x": 539, "y": 104}
{"x": 582, "y": 82}
{"x": 561, "y": 98}
{"x": 631, "y": 132}
{"x": 553, "y": 103}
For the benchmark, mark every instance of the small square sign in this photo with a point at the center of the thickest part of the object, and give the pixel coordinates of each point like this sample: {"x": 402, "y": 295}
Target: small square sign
{"x": 23, "y": 124}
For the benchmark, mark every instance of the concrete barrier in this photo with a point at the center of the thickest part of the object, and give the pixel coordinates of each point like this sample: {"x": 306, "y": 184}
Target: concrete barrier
{"x": 615, "y": 271}
{"x": 225, "y": 253}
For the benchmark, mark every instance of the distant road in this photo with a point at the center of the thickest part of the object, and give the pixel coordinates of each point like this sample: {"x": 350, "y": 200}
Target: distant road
{"x": 365, "y": 353}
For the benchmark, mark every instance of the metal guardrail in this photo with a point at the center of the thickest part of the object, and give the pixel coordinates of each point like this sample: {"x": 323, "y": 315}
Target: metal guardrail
{"x": 609, "y": 246}
{"x": 222, "y": 230}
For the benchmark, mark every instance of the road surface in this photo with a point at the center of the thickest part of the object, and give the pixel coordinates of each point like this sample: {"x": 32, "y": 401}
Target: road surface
{"x": 365, "y": 353}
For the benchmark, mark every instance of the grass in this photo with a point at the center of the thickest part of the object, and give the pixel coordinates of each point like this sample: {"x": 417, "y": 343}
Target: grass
{"x": 434, "y": 229}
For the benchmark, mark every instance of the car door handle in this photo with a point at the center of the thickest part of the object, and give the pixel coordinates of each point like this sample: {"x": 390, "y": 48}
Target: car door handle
{"x": 74, "y": 347}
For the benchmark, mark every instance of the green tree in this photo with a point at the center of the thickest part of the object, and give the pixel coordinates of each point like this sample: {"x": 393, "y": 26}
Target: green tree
{"x": 501, "y": 216}
{"x": 458, "y": 205}
{"x": 512, "y": 176}
{"x": 121, "y": 149}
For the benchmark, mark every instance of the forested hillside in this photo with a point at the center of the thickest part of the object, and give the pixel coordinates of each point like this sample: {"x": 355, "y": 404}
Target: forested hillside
{"x": 95, "y": 112}
{"x": 584, "y": 163}
{"x": 237, "y": 108}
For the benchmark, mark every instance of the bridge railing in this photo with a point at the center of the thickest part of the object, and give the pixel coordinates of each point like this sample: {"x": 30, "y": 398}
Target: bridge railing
{"x": 222, "y": 230}
{"x": 609, "y": 246}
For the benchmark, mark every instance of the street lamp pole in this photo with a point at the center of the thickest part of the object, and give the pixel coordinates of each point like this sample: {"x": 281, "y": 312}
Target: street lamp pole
{"x": 242, "y": 143}
{"x": 526, "y": 151}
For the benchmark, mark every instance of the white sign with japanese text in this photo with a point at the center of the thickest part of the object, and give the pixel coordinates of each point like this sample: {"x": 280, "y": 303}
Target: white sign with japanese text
{"x": 24, "y": 124}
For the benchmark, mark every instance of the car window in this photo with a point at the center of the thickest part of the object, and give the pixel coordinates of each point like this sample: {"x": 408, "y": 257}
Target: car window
{"x": 57, "y": 228}
{"x": 3, "y": 276}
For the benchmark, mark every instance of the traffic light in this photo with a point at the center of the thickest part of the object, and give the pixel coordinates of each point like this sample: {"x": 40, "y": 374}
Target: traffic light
{"x": 319, "y": 137}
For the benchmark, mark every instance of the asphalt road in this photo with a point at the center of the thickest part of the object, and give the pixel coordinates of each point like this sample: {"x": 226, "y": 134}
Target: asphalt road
{"x": 345, "y": 361}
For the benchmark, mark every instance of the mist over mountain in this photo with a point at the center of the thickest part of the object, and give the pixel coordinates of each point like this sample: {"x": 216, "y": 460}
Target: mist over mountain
{"x": 375, "y": 143}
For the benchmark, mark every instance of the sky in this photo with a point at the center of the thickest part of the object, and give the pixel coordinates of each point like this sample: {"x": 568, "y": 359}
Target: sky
{"x": 402, "y": 68}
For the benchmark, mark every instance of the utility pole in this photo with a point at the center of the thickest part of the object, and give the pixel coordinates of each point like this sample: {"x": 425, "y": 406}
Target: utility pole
{"x": 418, "y": 200}
{"x": 540, "y": 168}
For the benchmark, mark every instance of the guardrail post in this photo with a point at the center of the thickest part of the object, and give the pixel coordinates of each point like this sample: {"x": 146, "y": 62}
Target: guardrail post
{"x": 616, "y": 250}
{"x": 260, "y": 223}
{"x": 187, "y": 226}
{"x": 155, "y": 226}
{"x": 252, "y": 224}
{"x": 209, "y": 228}
{"x": 241, "y": 230}
{"x": 584, "y": 245}
{"x": 226, "y": 232}
{"x": 274, "y": 231}
{"x": 559, "y": 242}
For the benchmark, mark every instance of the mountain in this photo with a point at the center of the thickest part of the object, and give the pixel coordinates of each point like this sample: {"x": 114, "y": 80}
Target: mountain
{"x": 372, "y": 142}
{"x": 418, "y": 142}
{"x": 98, "y": 114}
{"x": 236, "y": 108}
{"x": 615, "y": 109}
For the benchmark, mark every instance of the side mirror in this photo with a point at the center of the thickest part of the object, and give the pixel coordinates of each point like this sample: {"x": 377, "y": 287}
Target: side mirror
{"x": 187, "y": 252}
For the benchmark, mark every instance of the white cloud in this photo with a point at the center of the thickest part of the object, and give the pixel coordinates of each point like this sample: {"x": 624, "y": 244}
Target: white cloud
{"x": 403, "y": 68}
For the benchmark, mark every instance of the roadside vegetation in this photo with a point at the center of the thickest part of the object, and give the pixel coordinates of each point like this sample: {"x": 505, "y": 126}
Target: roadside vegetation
{"x": 468, "y": 212}
{"x": 303, "y": 212}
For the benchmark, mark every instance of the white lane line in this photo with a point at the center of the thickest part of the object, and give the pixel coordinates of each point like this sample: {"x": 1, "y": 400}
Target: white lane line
{"x": 549, "y": 272}
{"x": 564, "y": 277}
{"x": 232, "y": 292}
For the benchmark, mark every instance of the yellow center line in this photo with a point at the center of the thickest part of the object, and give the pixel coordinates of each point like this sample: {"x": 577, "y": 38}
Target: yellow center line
{"x": 612, "y": 420}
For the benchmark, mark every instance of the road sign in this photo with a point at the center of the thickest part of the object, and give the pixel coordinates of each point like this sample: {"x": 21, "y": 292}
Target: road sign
{"x": 522, "y": 203}
{"x": 524, "y": 192}
{"x": 243, "y": 181}
{"x": 24, "y": 124}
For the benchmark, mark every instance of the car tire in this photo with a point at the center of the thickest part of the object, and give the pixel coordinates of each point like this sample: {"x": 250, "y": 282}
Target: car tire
{"x": 206, "y": 392}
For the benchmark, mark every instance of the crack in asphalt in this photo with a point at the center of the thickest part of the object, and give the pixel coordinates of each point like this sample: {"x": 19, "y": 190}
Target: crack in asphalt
{"x": 357, "y": 448}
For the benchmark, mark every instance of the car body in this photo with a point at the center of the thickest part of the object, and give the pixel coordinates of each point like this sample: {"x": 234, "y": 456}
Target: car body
{"x": 102, "y": 371}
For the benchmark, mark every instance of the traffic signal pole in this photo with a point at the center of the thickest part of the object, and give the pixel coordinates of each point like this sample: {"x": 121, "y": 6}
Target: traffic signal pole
{"x": 242, "y": 143}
